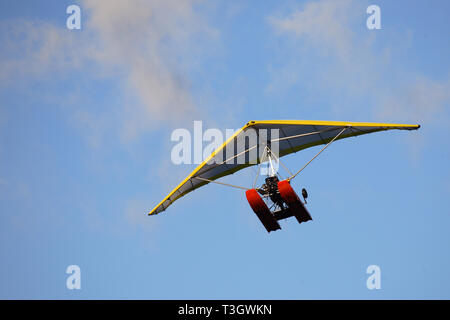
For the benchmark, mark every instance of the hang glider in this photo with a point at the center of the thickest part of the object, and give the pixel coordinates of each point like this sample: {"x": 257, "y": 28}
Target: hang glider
{"x": 240, "y": 151}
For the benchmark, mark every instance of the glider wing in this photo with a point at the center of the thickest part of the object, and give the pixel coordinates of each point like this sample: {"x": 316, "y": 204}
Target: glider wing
{"x": 293, "y": 135}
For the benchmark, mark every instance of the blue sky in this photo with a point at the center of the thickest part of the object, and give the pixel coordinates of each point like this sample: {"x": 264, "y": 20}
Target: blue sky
{"x": 85, "y": 123}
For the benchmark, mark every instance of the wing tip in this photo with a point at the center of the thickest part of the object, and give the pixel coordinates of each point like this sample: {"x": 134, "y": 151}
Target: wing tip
{"x": 154, "y": 212}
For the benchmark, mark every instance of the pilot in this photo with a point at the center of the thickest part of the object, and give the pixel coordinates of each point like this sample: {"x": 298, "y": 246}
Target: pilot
{"x": 270, "y": 188}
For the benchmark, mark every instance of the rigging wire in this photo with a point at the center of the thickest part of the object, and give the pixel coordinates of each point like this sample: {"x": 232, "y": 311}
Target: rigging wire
{"x": 222, "y": 183}
{"x": 326, "y": 146}
{"x": 279, "y": 160}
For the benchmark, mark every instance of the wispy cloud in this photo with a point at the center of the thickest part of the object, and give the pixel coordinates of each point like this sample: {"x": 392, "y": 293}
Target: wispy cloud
{"x": 146, "y": 51}
{"x": 32, "y": 49}
{"x": 326, "y": 24}
{"x": 423, "y": 98}
{"x": 335, "y": 56}
{"x": 152, "y": 42}
{"x": 148, "y": 48}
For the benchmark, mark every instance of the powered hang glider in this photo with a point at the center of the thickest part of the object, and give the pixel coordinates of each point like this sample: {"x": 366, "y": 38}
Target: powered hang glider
{"x": 274, "y": 200}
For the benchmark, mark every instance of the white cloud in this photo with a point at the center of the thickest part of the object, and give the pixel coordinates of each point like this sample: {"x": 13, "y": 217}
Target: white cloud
{"x": 151, "y": 42}
{"x": 423, "y": 98}
{"x": 324, "y": 23}
{"x": 136, "y": 215}
{"x": 350, "y": 67}
{"x": 34, "y": 48}
{"x": 148, "y": 47}
{"x": 326, "y": 52}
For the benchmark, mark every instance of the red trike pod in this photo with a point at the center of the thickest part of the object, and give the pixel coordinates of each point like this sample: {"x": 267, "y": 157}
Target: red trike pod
{"x": 293, "y": 201}
{"x": 261, "y": 210}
